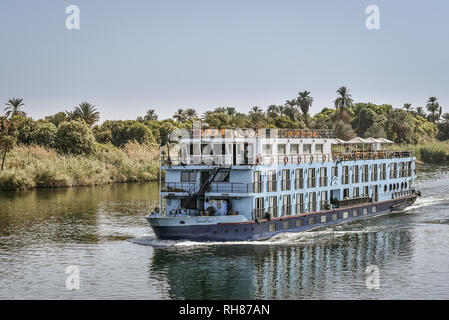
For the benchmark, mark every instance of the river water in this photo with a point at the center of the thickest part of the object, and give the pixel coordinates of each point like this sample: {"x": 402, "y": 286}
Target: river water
{"x": 103, "y": 233}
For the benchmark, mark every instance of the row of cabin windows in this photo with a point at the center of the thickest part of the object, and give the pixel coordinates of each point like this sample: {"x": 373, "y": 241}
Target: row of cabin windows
{"x": 294, "y": 149}
{"x": 378, "y": 172}
{"x": 287, "y": 208}
{"x": 320, "y": 219}
{"x": 286, "y": 179}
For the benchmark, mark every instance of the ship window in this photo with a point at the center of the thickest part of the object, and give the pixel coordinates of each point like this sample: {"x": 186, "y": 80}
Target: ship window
{"x": 299, "y": 223}
{"x": 267, "y": 149}
{"x": 346, "y": 193}
{"x": 319, "y": 148}
{"x": 307, "y": 148}
{"x": 345, "y": 214}
{"x": 286, "y": 225}
{"x": 354, "y": 213}
{"x": 334, "y": 217}
{"x": 385, "y": 188}
{"x": 355, "y": 192}
{"x": 188, "y": 176}
{"x": 272, "y": 227}
{"x": 323, "y": 219}
{"x": 365, "y": 211}
{"x": 365, "y": 191}
{"x": 374, "y": 210}
{"x": 311, "y": 220}
{"x": 281, "y": 148}
{"x": 294, "y": 149}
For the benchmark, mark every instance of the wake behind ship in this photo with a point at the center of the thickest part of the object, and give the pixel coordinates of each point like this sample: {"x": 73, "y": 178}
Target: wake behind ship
{"x": 234, "y": 185}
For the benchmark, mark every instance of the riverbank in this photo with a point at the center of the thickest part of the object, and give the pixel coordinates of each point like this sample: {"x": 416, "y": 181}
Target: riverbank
{"x": 36, "y": 166}
{"x": 433, "y": 152}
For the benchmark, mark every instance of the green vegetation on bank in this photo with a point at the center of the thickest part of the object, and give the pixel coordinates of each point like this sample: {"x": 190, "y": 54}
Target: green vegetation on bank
{"x": 69, "y": 148}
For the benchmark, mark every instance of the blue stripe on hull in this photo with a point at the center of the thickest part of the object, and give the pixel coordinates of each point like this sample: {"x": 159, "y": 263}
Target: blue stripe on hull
{"x": 261, "y": 231}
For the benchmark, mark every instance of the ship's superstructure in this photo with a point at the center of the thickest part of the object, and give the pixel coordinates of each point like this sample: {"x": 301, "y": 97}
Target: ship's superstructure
{"x": 252, "y": 184}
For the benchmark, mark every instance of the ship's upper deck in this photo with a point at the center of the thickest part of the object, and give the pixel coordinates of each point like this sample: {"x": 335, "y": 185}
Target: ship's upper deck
{"x": 248, "y": 147}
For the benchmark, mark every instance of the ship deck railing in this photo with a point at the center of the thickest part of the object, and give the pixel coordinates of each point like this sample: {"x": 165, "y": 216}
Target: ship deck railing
{"x": 232, "y": 187}
{"x": 353, "y": 201}
{"x": 185, "y": 187}
{"x": 283, "y": 159}
{"x": 268, "y": 133}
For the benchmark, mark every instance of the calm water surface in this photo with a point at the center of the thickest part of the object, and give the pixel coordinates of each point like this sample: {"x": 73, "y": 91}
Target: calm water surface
{"x": 103, "y": 231}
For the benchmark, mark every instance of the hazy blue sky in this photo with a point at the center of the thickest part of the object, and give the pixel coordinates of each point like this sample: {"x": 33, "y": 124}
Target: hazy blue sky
{"x": 131, "y": 55}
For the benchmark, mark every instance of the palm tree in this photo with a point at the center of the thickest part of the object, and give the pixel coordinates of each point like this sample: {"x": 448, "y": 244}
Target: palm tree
{"x": 180, "y": 115}
{"x": 191, "y": 113}
{"x": 433, "y": 107}
{"x": 151, "y": 115}
{"x": 220, "y": 110}
{"x": 231, "y": 111}
{"x": 13, "y": 108}
{"x": 420, "y": 111}
{"x": 273, "y": 111}
{"x": 255, "y": 110}
{"x": 88, "y": 113}
{"x": 304, "y": 102}
{"x": 343, "y": 101}
{"x": 407, "y": 106}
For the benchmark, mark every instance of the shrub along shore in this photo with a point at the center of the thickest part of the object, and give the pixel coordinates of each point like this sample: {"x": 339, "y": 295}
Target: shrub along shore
{"x": 36, "y": 166}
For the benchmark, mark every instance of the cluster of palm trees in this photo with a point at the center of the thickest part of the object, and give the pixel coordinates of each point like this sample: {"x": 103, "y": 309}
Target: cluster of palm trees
{"x": 295, "y": 109}
{"x": 432, "y": 106}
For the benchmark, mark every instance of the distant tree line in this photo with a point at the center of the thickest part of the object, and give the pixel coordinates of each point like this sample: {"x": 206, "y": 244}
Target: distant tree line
{"x": 77, "y": 132}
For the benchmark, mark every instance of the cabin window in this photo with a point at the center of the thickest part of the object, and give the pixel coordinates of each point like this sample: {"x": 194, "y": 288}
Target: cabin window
{"x": 374, "y": 210}
{"x": 365, "y": 191}
{"x": 374, "y": 174}
{"x": 334, "y": 171}
{"x": 299, "y": 179}
{"x": 409, "y": 169}
{"x": 259, "y": 209}
{"x": 286, "y": 225}
{"x": 355, "y": 174}
{"x": 188, "y": 176}
{"x": 312, "y": 201}
{"x": 319, "y": 148}
{"x": 257, "y": 182}
{"x": 267, "y": 149}
{"x": 346, "y": 193}
{"x": 307, "y": 148}
{"x": 300, "y": 203}
{"x": 323, "y": 177}
{"x": 354, "y": 213}
{"x": 287, "y": 206}
{"x": 281, "y": 148}
{"x": 272, "y": 227}
{"x": 271, "y": 181}
{"x": 286, "y": 179}
{"x": 294, "y": 148}
{"x": 323, "y": 218}
{"x": 365, "y": 173}
{"x": 345, "y": 175}
{"x": 299, "y": 223}
{"x": 311, "y": 181}
{"x": 273, "y": 206}
{"x": 334, "y": 217}
{"x": 345, "y": 214}
{"x": 383, "y": 171}
{"x": 324, "y": 202}
{"x": 355, "y": 192}
{"x": 365, "y": 211}
{"x": 311, "y": 220}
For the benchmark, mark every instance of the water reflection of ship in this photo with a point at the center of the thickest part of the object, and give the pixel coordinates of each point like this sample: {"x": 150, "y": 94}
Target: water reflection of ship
{"x": 298, "y": 271}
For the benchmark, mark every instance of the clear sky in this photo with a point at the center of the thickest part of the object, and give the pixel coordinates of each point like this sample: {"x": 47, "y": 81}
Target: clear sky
{"x": 129, "y": 56}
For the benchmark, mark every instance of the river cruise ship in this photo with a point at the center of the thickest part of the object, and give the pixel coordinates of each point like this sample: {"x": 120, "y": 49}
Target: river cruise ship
{"x": 237, "y": 185}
